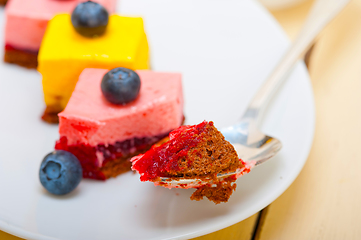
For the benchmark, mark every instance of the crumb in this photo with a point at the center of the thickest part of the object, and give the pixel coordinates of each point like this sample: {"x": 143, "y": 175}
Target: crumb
{"x": 177, "y": 194}
{"x": 217, "y": 194}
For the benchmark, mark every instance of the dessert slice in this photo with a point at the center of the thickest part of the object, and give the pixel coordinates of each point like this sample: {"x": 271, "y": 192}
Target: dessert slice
{"x": 65, "y": 53}
{"x": 103, "y": 136}
{"x": 193, "y": 152}
{"x": 26, "y": 23}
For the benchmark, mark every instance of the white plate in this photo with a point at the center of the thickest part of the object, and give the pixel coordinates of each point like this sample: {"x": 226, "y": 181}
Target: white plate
{"x": 225, "y": 49}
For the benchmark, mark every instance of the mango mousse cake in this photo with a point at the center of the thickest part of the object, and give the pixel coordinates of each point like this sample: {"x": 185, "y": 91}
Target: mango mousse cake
{"x": 26, "y": 22}
{"x": 193, "y": 152}
{"x": 67, "y": 50}
{"x": 103, "y": 133}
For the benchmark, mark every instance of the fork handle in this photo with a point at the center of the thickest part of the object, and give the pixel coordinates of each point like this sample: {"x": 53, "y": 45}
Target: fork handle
{"x": 321, "y": 14}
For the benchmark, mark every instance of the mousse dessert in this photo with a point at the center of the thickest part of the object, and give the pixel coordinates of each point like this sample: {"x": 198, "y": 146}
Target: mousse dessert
{"x": 114, "y": 115}
{"x": 193, "y": 152}
{"x": 26, "y": 22}
{"x": 88, "y": 38}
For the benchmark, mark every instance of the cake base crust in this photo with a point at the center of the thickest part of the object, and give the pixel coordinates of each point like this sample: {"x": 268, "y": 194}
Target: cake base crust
{"x": 23, "y": 58}
{"x": 3, "y": 2}
{"x": 50, "y": 114}
{"x": 116, "y": 167}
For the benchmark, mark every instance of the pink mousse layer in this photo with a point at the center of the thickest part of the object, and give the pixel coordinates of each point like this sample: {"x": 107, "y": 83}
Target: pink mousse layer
{"x": 26, "y": 20}
{"x": 90, "y": 119}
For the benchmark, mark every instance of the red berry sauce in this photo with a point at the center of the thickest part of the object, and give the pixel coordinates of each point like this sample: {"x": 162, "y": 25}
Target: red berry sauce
{"x": 9, "y": 47}
{"x": 87, "y": 154}
{"x": 159, "y": 161}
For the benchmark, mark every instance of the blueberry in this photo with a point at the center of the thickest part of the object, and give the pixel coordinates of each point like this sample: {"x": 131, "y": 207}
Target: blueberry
{"x": 60, "y": 172}
{"x": 120, "y": 85}
{"x": 90, "y": 19}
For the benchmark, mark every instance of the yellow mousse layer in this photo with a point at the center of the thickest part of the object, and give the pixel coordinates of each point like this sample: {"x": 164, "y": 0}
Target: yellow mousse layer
{"x": 64, "y": 54}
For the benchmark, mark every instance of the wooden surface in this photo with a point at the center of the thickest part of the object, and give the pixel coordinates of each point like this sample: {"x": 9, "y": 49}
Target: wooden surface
{"x": 323, "y": 202}
{"x": 241, "y": 231}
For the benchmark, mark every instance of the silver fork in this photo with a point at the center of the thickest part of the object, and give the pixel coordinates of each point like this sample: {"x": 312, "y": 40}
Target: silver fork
{"x": 253, "y": 146}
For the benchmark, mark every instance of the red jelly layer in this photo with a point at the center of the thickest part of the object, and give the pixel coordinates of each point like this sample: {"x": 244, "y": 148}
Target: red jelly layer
{"x": 87, "y": 154}
{"x": 9, "y": 47}
{"x": 162, "y": 159}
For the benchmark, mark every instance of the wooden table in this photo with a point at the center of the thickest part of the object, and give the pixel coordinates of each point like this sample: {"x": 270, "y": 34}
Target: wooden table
{"x": 323, "y": 202}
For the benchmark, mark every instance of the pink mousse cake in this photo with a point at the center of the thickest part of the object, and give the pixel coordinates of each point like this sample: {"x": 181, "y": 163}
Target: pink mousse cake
{"x": 26, "y": 22}
{"x": 105, "y": 136}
